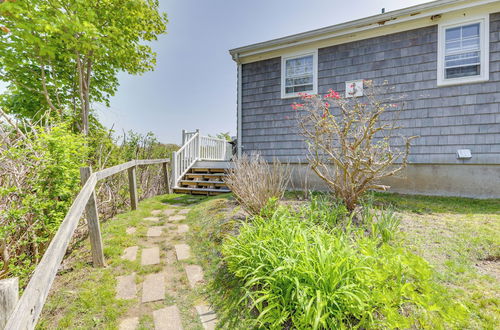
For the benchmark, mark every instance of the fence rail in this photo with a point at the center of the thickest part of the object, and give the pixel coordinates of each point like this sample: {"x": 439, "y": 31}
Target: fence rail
{"x": 28, "y": 308}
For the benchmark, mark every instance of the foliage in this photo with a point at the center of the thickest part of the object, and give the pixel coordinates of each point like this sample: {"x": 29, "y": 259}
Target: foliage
{"x": 352, "y": 146}
{"x": 39, "y": 177}
{"x": 61, "y": 56}
{"x": 254, "y": 182}
{"x": 289, "y": 271}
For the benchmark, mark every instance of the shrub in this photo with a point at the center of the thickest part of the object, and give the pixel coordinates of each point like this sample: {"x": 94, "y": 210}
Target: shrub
{"x": 255, "y": 182}
{"x": 289, "y": 272}
{"x": 352, "y": 146}
{"x": 39, "y": 177}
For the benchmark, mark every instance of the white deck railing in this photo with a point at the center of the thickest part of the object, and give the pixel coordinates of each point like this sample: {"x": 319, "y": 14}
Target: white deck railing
{"x": 195, "y": 148}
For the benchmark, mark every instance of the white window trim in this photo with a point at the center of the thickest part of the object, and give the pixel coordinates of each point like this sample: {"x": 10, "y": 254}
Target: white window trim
{"x": 284, "y": 95}
{"x": 484, "y": 31}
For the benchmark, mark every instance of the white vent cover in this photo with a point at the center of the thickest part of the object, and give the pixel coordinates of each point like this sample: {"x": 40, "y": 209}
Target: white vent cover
{"x": 464, "y": 154}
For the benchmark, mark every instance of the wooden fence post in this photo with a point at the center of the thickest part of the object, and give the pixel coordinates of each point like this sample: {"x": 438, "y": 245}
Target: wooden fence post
{"x": 132, "y": 187}
{"x": 93, "y": 222}
{"x": 9, "y": 295}
{"x": 166, "y": 176}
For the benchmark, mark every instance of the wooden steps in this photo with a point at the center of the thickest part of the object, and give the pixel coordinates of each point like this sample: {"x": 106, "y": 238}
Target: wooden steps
{"x": 204, "y": 180}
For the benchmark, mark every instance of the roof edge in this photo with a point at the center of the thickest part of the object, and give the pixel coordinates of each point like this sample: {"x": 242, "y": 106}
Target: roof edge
{"x": 262, "y": 47}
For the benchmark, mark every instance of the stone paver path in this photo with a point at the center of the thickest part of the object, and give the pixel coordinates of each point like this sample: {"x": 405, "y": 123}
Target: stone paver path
{"x": 177, "y": 218}
{"x": 164, "y": 282}
{"x": 168, "y": 318}
{"x": 150, "y": 256}
{"x": 181, "y": 229}
{"x": 125, "y": 287}
{"x": 194, "y": 274}
{"x": 169, "y": 212}
{"x": 182, "y": 251}
{"x": 207, "y": 317}
{"x": 130, "y": 253}
{"x": 153, "y": 287}
{"x": 154, "y": 231}
{"x": 129, "y": 324}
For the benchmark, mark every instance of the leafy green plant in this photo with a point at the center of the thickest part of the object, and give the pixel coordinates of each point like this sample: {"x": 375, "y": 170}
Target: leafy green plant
{"x": 288, "y": 271}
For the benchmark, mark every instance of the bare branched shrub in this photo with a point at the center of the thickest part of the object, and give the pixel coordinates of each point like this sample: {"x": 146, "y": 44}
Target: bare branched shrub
{"x": 352, "y": 145}
{"x": 254, "y": 182}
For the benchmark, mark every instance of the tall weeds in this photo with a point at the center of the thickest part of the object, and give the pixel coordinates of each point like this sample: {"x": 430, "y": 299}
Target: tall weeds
{"x": 254, "y": 182}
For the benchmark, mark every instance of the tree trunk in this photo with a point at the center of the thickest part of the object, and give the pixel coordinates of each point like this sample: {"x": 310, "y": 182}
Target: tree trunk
{"x": 84, "y": 75}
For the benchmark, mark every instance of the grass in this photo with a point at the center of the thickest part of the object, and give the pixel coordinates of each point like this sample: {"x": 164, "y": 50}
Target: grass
{"x": 83, "y": 297}
{"x": 459, "y": 237}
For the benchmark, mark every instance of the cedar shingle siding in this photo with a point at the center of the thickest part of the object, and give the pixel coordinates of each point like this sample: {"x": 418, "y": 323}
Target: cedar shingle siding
{"x": 446, "y": 118}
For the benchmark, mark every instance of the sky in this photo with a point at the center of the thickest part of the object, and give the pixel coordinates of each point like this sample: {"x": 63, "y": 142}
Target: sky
{"x": 194, "y": 83}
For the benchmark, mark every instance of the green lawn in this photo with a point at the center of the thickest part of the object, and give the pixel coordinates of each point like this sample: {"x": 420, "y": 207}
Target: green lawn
{"x": 459, "y": 237}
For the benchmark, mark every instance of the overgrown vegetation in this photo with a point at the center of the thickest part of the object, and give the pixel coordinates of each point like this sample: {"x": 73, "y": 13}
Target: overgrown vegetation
{"x": 39, "y": 178}
{"x": 290, "y": 270}
{"x": 452, "y": 240}
{"x": 254, "y": 182}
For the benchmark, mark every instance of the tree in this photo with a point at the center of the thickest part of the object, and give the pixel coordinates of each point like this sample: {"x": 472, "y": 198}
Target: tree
{"x": 351, "y": 147}
{"x": 69, "y": 52}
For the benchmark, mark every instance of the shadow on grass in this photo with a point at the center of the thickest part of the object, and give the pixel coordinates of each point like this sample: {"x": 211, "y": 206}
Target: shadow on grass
{"x": 421, "y": 204}
{"x": 436, "y": 204}
{"x": 188, "y": 200}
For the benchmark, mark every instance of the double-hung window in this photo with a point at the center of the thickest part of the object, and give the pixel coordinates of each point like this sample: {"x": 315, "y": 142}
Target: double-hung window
{"x": 299, "y": 74}
{"x": 463, "y": 52}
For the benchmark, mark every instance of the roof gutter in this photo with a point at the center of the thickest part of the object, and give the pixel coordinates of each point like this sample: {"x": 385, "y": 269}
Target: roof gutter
{"x": 372, "y": 22}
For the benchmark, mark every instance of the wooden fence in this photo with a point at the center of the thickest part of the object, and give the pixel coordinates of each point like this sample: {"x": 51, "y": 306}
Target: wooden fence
{"x": 23, "y": 313}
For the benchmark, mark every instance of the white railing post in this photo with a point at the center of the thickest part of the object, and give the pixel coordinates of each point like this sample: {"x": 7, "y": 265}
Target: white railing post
{"x": 174, "y": 169}
{"x": 198, "y": 145}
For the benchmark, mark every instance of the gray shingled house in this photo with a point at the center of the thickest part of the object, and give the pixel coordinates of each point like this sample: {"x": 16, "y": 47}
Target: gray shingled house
{"x": 443, "y": 55}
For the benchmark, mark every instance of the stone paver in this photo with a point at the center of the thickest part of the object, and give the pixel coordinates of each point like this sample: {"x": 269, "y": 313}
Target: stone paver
{"x": 153, "y": 287}
{"x": 168, "y": 318}
{"x": 194, "y": 274}
{"x": 207, "y": 317}
{"x": 181, "y": 229}
{"x": 184, "y": 211}
{"x": 131, "y": 230}
{"x": 129, "y": 324}
{"x": 125, "y": 287}
{"x": 156, "y": 212}
{"x": 130, "y": 253}
{"x": 183, "y": 251}
{"x": 169, "y": 212}
{"x": 177, "y": 217}
{"x": 153, "y": 219}
{"x": 150, "y": 256}
{"x": 155, "y": 231}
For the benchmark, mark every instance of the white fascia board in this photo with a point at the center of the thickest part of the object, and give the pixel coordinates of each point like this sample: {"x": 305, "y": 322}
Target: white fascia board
{"x": 364, "y": 24}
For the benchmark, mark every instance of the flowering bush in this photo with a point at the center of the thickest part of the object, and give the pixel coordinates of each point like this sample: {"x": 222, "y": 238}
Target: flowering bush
{"x": 350, "y": 147}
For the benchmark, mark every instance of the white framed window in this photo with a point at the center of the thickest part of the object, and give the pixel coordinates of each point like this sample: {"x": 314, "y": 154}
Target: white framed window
{"x": 299, "y": 74}
{"x": 463, "y": 52}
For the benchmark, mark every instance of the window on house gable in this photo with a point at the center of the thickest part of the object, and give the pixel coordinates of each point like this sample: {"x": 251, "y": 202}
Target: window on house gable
{"x": 463, "y": 53}
{"x": 299, "y": 75}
